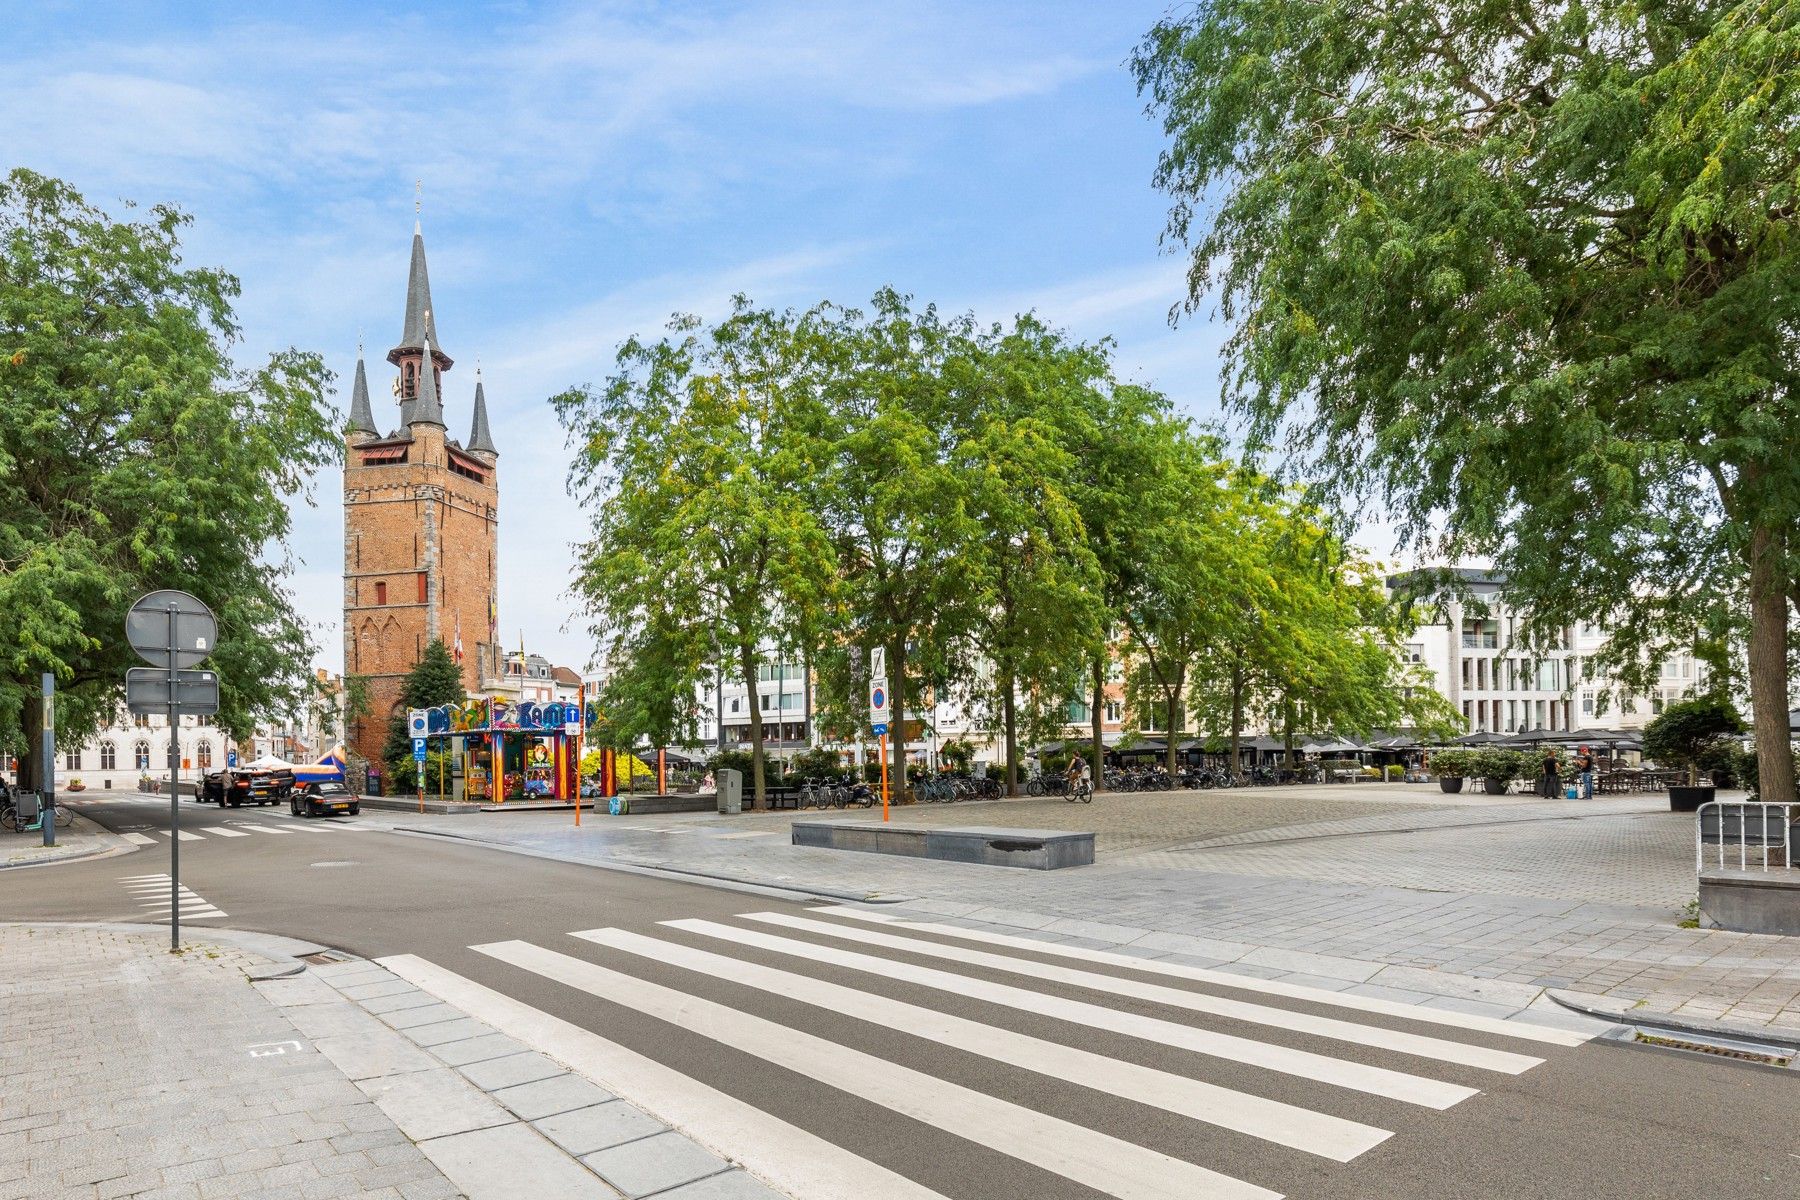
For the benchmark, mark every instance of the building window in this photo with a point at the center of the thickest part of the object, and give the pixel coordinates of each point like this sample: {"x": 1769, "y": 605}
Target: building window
{"x": 422, "y": 587}
{"x": 380, "y": 591}
{"x": 109, "y": 757}
{"x": 765, "y": 701}
{"x": 1587, "y": 704}
{"x": 140, "y": 721}
{"x": 737, "y": 704}
{"x": 1115, "y": 712}
{"x": 203, "y": 754}
{"x": 1079, "y": 712}
{"x": 140, "y": 755}
{"x": 72, "y": 761}
{"x": 1480, "y": 634}
{"x": 1415, "y": 652}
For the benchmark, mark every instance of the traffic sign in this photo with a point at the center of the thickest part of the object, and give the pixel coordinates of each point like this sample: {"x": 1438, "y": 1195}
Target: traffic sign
{"x": 878, "y": 704}
{"x": 148, "y": 629}
{"x": 418, "y": 749}
{"x": 418, "y": 722}
{"x": 231, "y": 758}
{"x": 147, "y": 691}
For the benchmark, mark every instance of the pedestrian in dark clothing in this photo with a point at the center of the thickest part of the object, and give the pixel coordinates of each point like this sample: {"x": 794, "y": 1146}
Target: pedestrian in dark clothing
{"x": 1584, "y": 771}
{"x": 1552, "y": 784}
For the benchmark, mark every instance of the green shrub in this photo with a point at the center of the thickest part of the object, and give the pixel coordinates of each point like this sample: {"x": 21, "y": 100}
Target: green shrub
{"x": 1454, "y": 764}
{"x": 1687, "y": 730}
{"x": 1744, "y": 767}
{"x": 816, "y": 765}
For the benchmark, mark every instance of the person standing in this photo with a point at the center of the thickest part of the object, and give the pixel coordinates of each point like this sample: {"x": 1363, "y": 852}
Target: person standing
{"x": 1584, "y": 770}
{"x": 1552, "y": 782}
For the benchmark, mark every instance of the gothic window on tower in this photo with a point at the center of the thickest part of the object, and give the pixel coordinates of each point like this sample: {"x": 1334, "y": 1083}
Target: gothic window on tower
{"x": 422, "y": 587}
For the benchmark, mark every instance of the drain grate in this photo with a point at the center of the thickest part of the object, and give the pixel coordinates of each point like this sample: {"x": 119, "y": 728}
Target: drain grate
{"x": 322, "y": 957}
{"x": 1767, "y": 1056}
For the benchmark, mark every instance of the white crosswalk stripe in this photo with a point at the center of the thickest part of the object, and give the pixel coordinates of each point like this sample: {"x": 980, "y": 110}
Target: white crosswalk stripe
{"x": 140, "y": 839}
{"x": 1319, "y": 1068}
{"x": 1273, "y": 987}
{"x": 185, "y": 835}
{"x": 694, "y": 989}
{"x": 221, "y": 831}
{"x": 1286, "y": 1124}
{"x": 1105, "y": 1163}
{"x": 152, "y": 894}
{"x": 1327, "y": 1027}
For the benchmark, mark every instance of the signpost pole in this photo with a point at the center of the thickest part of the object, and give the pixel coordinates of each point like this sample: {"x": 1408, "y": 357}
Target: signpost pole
{"x": 47, "y": 814}
{"x": 174, "y": 789}
{"x": 884, "y": 787}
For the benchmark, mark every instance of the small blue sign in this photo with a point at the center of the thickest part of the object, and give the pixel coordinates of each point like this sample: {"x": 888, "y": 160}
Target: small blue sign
{"x": 231, "y": 758}
{"x": 418, "y": 749}
{"x": 878, "y": 728}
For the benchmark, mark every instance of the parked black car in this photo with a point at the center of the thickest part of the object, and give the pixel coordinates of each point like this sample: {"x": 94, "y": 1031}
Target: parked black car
{"x": 238, "y": 787}
{"x": 323, "y": 799}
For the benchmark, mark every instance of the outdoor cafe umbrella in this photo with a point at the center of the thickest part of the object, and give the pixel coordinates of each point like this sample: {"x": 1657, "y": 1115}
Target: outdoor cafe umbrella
{"x": 1482, "y": 738}
{"x": 1149, "y": 746}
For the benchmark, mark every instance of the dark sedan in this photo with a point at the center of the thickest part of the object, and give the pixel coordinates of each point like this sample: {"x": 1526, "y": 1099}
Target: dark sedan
{"x": 324, "y": 799}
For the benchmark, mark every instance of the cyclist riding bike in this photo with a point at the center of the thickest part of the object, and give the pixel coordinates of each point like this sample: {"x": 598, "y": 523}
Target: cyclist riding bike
{"x": 1080, "y": 788}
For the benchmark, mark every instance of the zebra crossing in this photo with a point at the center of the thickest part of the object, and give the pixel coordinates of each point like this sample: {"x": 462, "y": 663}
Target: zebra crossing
{"x": 152, "y": 894}
{"x": 1258, "y": 1062}
{"x": 158, "y": 837}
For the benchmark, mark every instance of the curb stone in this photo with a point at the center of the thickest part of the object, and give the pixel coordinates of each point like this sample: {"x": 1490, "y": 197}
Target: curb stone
{"x": 1608, "y": 1010}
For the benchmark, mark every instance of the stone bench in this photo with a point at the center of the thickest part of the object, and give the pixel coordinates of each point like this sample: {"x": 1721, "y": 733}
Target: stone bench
{"x": 1031, "y": 849}
{"x": 1752, "y": 901}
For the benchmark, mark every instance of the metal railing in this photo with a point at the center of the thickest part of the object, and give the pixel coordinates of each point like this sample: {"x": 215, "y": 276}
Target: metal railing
{"x": 1745, "y": 835}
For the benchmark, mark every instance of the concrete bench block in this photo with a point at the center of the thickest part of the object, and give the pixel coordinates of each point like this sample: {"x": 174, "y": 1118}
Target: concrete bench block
{"x": 1752, "y": 901}
{"x": 1029, "y": 849}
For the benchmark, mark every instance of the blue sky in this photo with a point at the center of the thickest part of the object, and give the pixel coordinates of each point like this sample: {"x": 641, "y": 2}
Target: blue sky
{"x": 589, "y": 169}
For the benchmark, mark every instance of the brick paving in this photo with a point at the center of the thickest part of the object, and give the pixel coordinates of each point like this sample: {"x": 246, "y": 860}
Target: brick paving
{"x": 1403, "y": 883}
{"x": 126, "y": 1071}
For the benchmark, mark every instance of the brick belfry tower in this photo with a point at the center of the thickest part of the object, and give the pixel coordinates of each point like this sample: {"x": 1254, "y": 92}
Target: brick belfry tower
{"x": 421, "y": 516}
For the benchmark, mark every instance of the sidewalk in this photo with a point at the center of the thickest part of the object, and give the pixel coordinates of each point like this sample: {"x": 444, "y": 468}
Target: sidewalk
{"x": 81, "y": 839}
{"x": 130, "y": 1072}
{"x": 1507, "y": 897}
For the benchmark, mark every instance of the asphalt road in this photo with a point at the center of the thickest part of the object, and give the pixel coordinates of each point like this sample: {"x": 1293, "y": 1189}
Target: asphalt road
{"x": 994, "y": 1115}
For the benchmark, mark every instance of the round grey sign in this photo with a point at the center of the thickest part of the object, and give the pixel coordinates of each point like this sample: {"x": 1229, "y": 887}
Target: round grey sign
{"x": 173, "y": 625}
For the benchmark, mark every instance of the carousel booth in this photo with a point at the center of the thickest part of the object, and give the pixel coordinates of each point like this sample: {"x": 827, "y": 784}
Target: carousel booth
{"x": 502, "y": 751}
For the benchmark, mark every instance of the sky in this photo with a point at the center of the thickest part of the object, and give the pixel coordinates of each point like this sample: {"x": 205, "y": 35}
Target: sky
{"x": 585, "y": 170}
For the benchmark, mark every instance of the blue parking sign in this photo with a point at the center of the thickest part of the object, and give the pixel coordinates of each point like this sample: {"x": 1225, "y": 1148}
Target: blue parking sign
{"x": 418, "y": 749}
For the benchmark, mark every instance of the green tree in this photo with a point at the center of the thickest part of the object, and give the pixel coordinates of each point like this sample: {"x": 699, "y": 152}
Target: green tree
{"x": 894, "y": 499}
{"x": 1523, "y": 272}
{"x": 1037, "y": 611}
{"x": 134, "y": 455}
{"x": 435, "y": 680}
{"x": 698, "y": 459}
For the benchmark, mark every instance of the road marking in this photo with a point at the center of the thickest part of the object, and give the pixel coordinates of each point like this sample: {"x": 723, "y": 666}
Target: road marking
{"x": 185, "y": 836}
{"x": 262, "y": 828}
{"x": 1272, "y": 987}
{"x": 1320, "y": 1068}
{"x": 1418, "y": 1045}
{"x": 221, "y": 831}
{"x": 749, "y": 833}
{"x": 1103, "y": 1162}
{"x": 1271, "y": 1120}
{"x": 142, "y": 878}
{"x": 795, "y": 1162}
{"x": 139, "y": 839}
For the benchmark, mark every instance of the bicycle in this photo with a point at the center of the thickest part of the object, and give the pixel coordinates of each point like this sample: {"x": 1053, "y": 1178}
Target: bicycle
{"x": 1084, "y": 791}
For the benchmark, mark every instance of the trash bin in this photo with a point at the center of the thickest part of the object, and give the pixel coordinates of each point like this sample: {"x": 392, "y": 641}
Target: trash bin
{"x": 731, "y": 790}
{"x": 29, "y": 805}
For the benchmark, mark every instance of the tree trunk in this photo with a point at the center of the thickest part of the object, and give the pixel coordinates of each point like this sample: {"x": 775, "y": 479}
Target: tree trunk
{"x": 897, "y": 725}
{"x": 1768, "y": 666}
{"x": 1287, "y": 733}
{"x": 747, "y": 663}
{"x": 1009, "y": 717}
{"x": 1174, "y": 717}
{"x": 30, "y": 775}
{"x": 1237, "y": 713}
{"x": 1097, "y": 724}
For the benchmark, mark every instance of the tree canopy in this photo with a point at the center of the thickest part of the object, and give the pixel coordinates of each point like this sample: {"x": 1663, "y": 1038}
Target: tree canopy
{"x": 1522, "y": 274}
{"x": 135, "y": 455}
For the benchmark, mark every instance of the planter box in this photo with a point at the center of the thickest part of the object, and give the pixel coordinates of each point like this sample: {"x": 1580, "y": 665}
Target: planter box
{"x": 1496, "y": 786}
{"x": 1689, "y": 799}
{"x": 1450, "y": 783}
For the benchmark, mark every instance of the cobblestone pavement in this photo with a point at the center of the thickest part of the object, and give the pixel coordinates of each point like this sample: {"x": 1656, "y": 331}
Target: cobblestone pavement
{"x": 1517, "y": 892}
{"x": 131, "y": 1072}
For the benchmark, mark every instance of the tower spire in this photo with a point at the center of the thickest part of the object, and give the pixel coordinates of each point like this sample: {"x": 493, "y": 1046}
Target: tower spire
{"x": 362, "y": 417}
{"x": 419, "y": 324}
{"x": 480, "y": 436}
{"x": 426, "y": 409}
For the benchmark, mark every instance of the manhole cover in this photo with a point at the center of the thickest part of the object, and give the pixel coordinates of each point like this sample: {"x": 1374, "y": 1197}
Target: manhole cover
{"x": 337, "y": 862}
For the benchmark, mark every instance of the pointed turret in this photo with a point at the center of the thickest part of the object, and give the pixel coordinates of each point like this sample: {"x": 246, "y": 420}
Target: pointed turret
{"x": 419, "y": 326}
{"x": 480, "y": 436}
{"x": 425, "y": 408}
{"x": 362, "y": 417}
